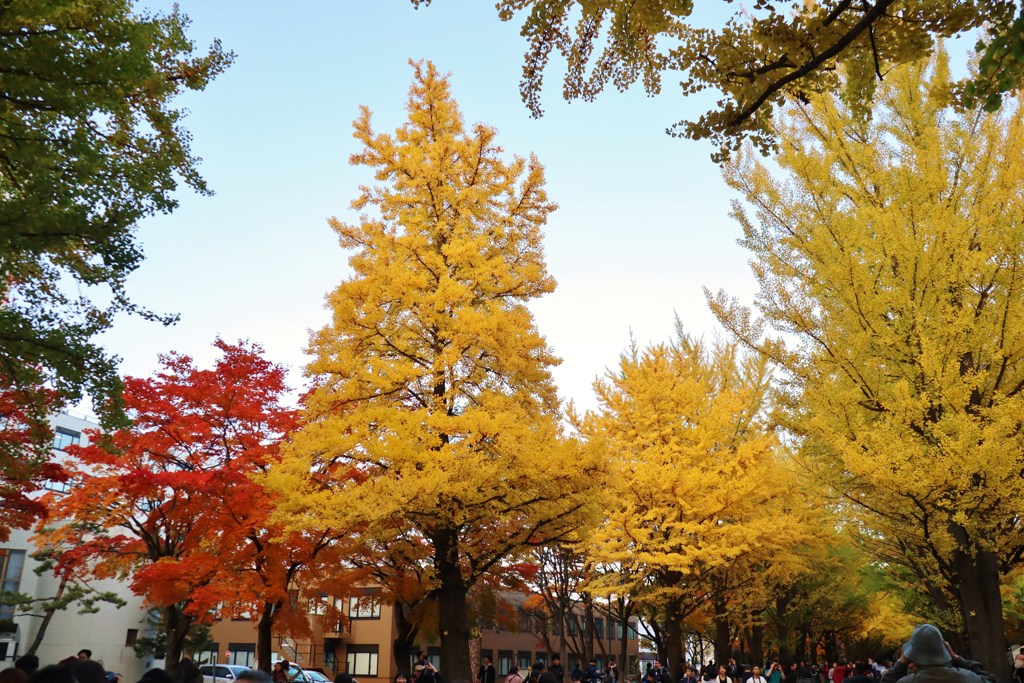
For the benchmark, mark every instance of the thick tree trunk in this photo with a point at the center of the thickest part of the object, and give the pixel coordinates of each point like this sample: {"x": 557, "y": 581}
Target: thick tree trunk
{"x": 783, "y": 629}
{"x": 756, "y": 642}
{"x": 673, "y": 639}
{"x": 451, "y": 606}
{"x": 981, "y": 609}
{"x": 723, "y": 642}
{"x": 588, "y": 632}
{"x": 405, "y": 638}
{"x": 265, "y": 636}
{"x": 47, "y": 617}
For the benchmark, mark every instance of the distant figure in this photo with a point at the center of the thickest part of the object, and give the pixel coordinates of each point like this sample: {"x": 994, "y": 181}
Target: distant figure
{"x": 27, "y": 663}
{"x": 85, "y": 655}
{"x": 400, "y": 677}
{"x": 755, "y": 675}
{"x": 514, "y": 676}
{"x": 425, "y": 672}
{"x": 558, "y": 671}
{"x": 280, "y": 673}
{"x": 344, "y": 678}
{"x": 487, "y": 674}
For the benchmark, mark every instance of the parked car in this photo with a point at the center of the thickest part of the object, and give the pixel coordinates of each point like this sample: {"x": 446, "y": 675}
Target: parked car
{"x": 317, "y": 676}
{"x": 220, "y": 673}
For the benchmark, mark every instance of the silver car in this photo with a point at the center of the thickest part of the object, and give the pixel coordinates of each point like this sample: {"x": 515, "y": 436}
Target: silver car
{"x": 221, "y": 673}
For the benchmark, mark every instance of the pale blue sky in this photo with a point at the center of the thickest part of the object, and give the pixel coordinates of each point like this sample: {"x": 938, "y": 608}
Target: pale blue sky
{"x": 643, "y": 223}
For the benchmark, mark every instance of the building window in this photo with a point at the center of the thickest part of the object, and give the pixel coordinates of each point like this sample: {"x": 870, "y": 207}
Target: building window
{"x": 631, "y": 631}
{"x": 599, "y": 629}
{"x": 208, "y": 656}
{"x": 504, "y": 662}
{"x": 63, "y": 437}
{"x": 317, "y": 605}
{"x": 524, "y": 662}
{"x": 362, "y": 660}
{"x": 542, "y": 657}
{"x": 364, "y": 606}
{"x": 434, "y": 657}
{"x": 573, "y": 624}
{"x": 131, "y": 636}
{"x": 57, "y": 486}
{"x": 11, "y": 564}
{"x": 243, "y": 654}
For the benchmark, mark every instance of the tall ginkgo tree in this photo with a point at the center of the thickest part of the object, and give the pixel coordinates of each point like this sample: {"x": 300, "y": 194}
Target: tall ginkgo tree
{"x": 432, "y": 383}
{"x": 708, "y": 507}
{"x": 890, "y": 253}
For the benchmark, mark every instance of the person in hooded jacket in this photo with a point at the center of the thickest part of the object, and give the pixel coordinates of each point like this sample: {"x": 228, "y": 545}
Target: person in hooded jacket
{"x": 934, "y": 662}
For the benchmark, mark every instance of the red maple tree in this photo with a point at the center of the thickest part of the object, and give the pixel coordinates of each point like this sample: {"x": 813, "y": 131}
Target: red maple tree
{"x": 25, "y": 443}
{"x": 175, "y": 501}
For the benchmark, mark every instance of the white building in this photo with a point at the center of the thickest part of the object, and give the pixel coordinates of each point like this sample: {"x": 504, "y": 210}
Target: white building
{"x": 109, "y": 633}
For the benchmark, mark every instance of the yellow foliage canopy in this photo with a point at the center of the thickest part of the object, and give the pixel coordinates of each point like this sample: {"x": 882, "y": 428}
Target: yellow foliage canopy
{"x": 705, "y": 494}
{"x": 433, "y": 408}
{"x": 891, "y": 255}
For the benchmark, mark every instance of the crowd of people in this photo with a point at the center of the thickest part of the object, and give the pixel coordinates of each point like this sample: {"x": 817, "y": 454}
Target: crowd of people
{"x": 925, "y": 658}
{"x": 82, "y": 668}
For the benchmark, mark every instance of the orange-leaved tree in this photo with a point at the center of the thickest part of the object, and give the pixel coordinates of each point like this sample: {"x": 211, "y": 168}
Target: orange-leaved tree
{"x": 173, "y": 501}
{"x": 432, "y": 381}
{"x": 25, "y": 442}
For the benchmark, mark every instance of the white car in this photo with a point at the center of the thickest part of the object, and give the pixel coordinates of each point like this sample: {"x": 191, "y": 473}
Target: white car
{"x": 221, "y": 673}
{"x": 316, "y": 676}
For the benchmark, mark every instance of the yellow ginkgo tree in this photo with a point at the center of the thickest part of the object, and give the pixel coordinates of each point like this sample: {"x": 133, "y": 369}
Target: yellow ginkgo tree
{"x": 708, "y": 507}
{"x": 890, "y": 254}
{"x": 433, "y": 412}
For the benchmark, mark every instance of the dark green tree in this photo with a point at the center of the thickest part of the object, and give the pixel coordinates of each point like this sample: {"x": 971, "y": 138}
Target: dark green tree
{"x": 90, "y": 143}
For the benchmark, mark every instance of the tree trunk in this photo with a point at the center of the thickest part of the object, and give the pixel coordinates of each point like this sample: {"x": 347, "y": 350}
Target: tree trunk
{"x": 405, "y": 638}
{"x": 451, "y": 607}
{"x": 588, "y": 631}
{"x": 783, "y": 628}
{"x": 177, "y": 625}
{"x": 673, "y": 639}
{"x": 265, "y": 636}
{"x": 47, "y": 616}
{"x": 981, "y": 609}
{"x": 756, "y": 642}
{"x": 624, "y": 670}
{"x": 723, "y": 641}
